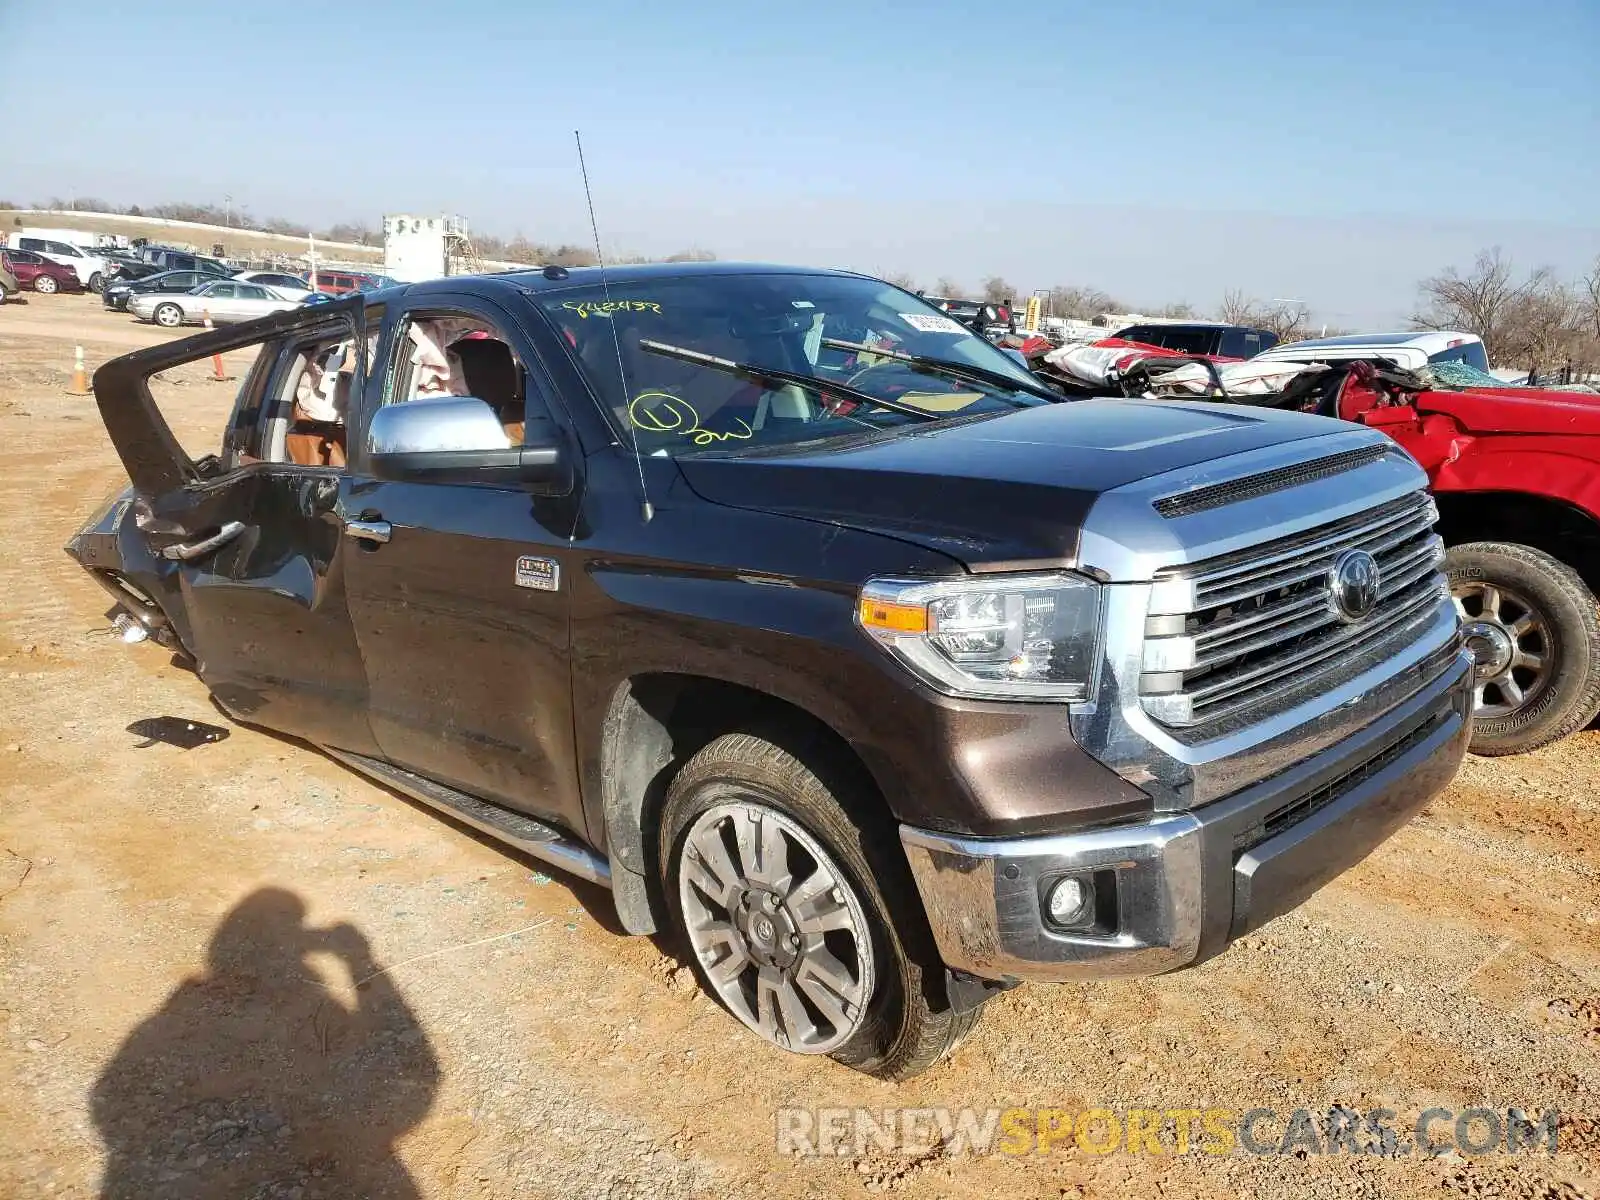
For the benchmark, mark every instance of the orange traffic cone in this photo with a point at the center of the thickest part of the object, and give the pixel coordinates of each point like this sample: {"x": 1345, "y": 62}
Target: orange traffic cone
{"x": 80, "y": 376}
{"x": 217, "y": 374}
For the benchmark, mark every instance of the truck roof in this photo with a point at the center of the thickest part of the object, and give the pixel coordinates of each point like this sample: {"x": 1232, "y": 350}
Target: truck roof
{"x": 1429, "y": 341}
{"x": 536, "y": 279}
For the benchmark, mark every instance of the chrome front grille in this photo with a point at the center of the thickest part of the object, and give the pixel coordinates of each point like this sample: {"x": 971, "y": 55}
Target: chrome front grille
{"x": 1245, "y": 631}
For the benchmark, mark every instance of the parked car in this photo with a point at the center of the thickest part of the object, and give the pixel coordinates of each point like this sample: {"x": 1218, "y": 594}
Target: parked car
{"x": 339, "y": 283}
{"x": 224, "y": 301}
{"x": 371, "y": 283}
{"x": 1212, "y": 339}
{"x": 291, "y": 287}
{"x": 89, "y": 268}
{"x": 882, "y": 680}
{"x": 166, "y": 259}
{"x": 165, "y": 283}
{"x": 9, "y": 286}
{"x": 42, "y": 274}
{"x": 124, "y": 267}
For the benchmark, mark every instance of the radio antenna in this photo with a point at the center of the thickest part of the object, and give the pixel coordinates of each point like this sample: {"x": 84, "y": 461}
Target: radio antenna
{"x": 616, "y": 339}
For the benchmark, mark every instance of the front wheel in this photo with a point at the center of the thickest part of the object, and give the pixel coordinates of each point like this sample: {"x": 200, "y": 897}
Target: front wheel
{"x": 97, "y": 283}
{"x": 1534, "y": 633}
{"x": 169, "y": 315}
{"x": 794, "y": 928}
{"x": 46, "y": 284}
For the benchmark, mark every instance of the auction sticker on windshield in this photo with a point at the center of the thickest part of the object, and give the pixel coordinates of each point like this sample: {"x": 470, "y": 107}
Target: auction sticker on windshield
{"x": 929, "y": 323}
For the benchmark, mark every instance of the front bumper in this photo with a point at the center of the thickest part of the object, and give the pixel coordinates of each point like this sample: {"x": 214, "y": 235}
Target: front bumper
{"x": 1176, "y": 889}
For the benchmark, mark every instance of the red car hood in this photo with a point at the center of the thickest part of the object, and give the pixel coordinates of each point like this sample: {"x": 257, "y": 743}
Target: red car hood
{"x": 1517, "y": 410}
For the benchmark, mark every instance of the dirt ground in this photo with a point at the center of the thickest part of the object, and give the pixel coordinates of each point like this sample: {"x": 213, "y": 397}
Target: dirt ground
{"x": 182, "y": 930}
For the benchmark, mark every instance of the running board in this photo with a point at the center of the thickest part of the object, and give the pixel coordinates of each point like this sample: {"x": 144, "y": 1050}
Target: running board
{"x": 515, "y": 829}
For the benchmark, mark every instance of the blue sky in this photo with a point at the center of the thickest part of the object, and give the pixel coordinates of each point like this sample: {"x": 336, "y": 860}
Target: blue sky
{"x": 1162, "y": 151}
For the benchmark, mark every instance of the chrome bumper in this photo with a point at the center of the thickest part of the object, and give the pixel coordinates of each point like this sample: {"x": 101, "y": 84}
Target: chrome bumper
{"x": 1176, "y": 889}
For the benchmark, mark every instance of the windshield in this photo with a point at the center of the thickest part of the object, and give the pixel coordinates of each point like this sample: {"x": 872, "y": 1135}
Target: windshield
{"x": 780, "y": 323}
{"x": 1470, "y": 353}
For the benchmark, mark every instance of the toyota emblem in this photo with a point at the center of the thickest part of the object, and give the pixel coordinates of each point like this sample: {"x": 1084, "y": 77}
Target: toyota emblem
{"x": 1353, "y": 584}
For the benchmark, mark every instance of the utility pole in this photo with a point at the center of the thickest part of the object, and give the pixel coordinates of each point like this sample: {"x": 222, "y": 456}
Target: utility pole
{"x": 227, "y": 210}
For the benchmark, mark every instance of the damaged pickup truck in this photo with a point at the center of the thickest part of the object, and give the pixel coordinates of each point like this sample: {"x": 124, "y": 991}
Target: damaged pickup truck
{"x": 801, "y": 618}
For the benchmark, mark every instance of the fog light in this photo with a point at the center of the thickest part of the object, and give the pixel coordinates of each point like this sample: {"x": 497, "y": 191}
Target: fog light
{"x": 1068, "y": 900}
{"x": 129, "y": 630}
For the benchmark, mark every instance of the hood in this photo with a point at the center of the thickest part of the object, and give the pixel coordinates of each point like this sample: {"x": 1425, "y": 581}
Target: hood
{"x": 1000, "y": 491}
{"x": 1517, "y": 410}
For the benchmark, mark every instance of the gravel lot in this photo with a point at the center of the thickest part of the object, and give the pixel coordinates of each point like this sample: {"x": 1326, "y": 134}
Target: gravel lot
{"x": 182, "y": 932}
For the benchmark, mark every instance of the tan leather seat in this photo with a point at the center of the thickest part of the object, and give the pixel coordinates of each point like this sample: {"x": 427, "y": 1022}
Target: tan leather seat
{"x": 493, "y": 376}
{"x": 313, "y": 444}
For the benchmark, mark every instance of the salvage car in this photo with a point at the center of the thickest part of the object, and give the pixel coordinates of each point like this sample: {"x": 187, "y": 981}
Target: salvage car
{"x": 1214, "y": 339}
{"x": 801, "y": 618}
{"x": 1412, "y": 350}
{"x": 223, "y": 301}
{"x": 1513, "y": 471}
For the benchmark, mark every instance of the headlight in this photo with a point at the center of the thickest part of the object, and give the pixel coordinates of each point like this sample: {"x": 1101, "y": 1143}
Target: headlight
{"x": 998, "y": 637}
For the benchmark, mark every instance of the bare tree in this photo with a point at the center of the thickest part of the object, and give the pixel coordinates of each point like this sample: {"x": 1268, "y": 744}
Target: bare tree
{"x": 1237, "y": 308}
{"x": 1080, "y": 303}
{"x": 1483, "y": 301}
{"x": 947, "y": 287}
{"x": 1589, "y": 301}
{"x": 1287, "y": 321}
{"x": 902, "y": 279}
{"x": 997, "y": 291}
{"x": 1545, "y": 329}
{"x": 1181, "y": 311}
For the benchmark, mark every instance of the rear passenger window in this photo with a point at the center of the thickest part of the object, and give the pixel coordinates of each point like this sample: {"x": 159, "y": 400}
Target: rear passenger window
{"x": 299, "y": 412}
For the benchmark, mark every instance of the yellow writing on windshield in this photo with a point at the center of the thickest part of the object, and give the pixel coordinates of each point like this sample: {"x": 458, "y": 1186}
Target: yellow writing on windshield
{"x": 662, "y": 412}
{"x": 586, "y": 309}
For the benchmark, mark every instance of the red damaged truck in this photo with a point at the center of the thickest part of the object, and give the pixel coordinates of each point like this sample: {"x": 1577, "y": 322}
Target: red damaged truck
{"x": 1515, "y": 472}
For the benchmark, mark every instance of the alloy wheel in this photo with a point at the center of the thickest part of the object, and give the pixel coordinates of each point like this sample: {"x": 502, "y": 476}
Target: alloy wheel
{"x": 1510, "y": 643}
{"x": 779, "y": 931}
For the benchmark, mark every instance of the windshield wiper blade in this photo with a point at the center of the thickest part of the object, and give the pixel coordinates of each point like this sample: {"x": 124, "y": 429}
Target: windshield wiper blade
{"x": 778, "y": 375}
{"x": 940, "y": 366}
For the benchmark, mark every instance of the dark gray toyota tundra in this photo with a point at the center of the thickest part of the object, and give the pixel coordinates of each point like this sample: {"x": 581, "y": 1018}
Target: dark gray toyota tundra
{"x": 808, "y": 623}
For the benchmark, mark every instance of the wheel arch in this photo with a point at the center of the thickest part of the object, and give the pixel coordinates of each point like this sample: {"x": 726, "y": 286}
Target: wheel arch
{"x": 653, "y": 723}
{"x": 1558, "y": 527}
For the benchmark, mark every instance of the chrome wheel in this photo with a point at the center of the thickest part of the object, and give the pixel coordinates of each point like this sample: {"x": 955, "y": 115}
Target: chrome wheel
{"x": 781, "y": 935}
{"x": 169, "y": 315}
{"x": 1510, "y": 645}
{"x": 46, "y": 284}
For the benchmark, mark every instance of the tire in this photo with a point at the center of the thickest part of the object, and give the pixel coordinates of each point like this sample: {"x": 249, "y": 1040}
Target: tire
{"x": 97, "y": 283}
{"x": 168, "y": 316}
{"x": 1534, "y": 631}
{"x": 895, "y": 1033}
{"x": 46, "y": 285}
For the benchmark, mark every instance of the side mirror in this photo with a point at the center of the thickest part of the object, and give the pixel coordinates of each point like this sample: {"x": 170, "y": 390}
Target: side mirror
{"x": 458, "y": 439}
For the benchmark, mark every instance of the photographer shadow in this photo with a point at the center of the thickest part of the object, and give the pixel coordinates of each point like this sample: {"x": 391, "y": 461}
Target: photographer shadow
{"x": 257, "y": 1079}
